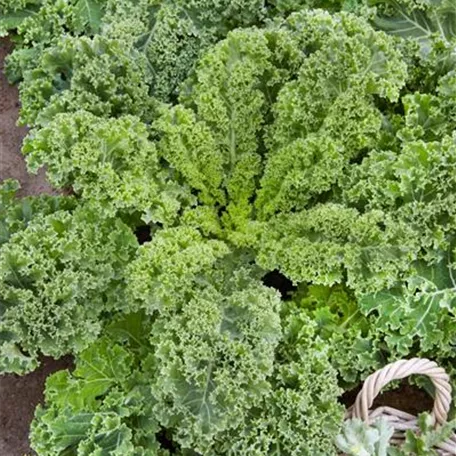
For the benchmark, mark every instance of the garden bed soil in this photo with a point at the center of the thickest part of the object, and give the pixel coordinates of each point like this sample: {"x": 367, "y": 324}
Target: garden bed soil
{"x": 12, "y": 164}
{"x": 408, "y": 398}
{"x": 20, "y": 395}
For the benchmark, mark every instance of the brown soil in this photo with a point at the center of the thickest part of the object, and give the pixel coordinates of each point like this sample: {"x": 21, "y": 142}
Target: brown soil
{"x": 407, "y": 398}
{"x": 18, "y": 395}
{"x": 12, "y": 163}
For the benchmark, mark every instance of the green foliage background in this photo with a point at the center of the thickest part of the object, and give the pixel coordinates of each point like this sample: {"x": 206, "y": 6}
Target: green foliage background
{"x": 309, "y": 139}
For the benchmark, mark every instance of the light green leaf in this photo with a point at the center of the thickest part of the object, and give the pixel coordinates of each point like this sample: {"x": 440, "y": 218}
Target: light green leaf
{"x": 100, "y": 367}
{"x": 419, "y": 23}
{"x": 360, "y": 439}
{"x": 422, "y": 309}
{"x": 88, "y": 13}
{"x": 12, "y": 20}
{"x": 14, "y": 361}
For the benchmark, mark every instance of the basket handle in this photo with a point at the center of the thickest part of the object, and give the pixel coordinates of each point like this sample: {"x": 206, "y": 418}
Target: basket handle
{"x": 399, "y": 370}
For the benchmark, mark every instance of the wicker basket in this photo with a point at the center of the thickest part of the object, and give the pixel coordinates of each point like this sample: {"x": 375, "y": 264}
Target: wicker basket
{"x": 402, "y": 421}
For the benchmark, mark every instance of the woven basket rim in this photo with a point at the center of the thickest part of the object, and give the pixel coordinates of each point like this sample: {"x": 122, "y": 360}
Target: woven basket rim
{"x": 402, "y": 421}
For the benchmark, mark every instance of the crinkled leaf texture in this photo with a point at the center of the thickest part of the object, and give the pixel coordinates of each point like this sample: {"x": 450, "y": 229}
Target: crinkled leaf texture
{"x": 59, "y": 276}
{"x": 16, "y": 213}
{"x": 317, "y": 146}
{"x": 282, "y": 125}
{"x": 159, "y": 41}
{"x": 356, "y": 346}
{"x": 111, "y": 163}
{"x": 105, "y": 405}
{"x": 423, "y": 309}
{"x": 209, "y": 359}
{"x": 419, "y": 20}
{"x": 96, "y": 74}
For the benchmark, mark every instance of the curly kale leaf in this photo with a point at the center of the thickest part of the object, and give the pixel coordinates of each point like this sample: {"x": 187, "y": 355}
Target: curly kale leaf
{"x": 110, "y": 162}
{"x": 177, "y": 33}
{"x": 216, "y": 336}
{"x": 423, "y": 308}
{"x": 229, "y": 335}
{"x": 94, "y": 74}
{"x": 231, "y": 93}
{"x": 105, "y": 405}
{"x": 15, "y": 216}
{"x": 301, "y": 414}
{"x": 426, "y": 117}
{"x": 88, "y": 14}
{"x": 162, "y": 39}
{"x": 118, "y": 400}
{"x": 44, "y": 26}
{"x": 165, "y": 270}
{"x": 329, "y": 85}
{"x": 7, "y": 6}
{"x": 285, "y": 7}
{"x": 297, "y": 174}
{"x": 331, "y": 243}
{"x": 251, "y": 110}
{"x": 58, "y": 277}
{"x": 215, "y": 333}
{"x": 189, "y": 146}
{"x": 409, "y": 296}
{"x": 215, "y": 364}
{"x": 417, "y": 19}
{"x": 427, "y": 32}
{"x": 14, "y": 12}
{"x": 212, "y": 361}
{"x": 356, "y": 345}
{"x": 16, "y": 213}
{"x": 416, "y": 186}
